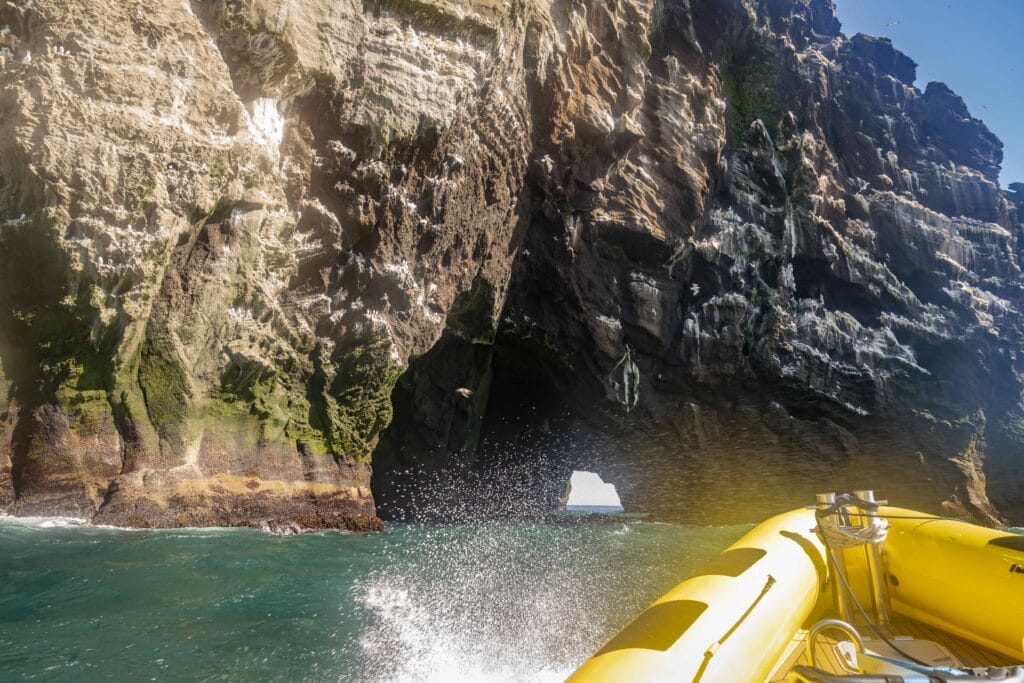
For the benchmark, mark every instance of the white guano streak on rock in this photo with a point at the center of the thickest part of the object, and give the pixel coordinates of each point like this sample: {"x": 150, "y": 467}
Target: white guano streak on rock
{"x": 266, "y": 124}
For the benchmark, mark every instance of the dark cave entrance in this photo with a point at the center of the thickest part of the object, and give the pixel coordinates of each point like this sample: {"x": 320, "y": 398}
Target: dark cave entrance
{"x": 531, "y": 399}
{"x": 478, "y": 430}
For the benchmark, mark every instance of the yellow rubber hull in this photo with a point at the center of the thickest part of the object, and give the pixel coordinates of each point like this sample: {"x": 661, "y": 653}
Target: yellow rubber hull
{"x": 958, "y": 577}
{"x": 732, "y": 621}
{"x": 735, "y": 619}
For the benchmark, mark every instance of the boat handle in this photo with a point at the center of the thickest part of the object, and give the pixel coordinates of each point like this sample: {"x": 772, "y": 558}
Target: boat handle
{"x": 839, "y": 625}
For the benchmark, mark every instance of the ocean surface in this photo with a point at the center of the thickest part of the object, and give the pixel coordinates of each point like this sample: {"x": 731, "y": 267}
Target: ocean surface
{"x": 524, "y": 600}
{"x": 525, "y": 596}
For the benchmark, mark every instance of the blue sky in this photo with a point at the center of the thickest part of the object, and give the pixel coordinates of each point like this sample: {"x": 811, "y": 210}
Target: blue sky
{"x": 974, "y": 46}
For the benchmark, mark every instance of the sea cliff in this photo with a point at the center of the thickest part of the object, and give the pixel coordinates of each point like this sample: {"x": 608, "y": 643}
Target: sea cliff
{"x": 241, "y": 240}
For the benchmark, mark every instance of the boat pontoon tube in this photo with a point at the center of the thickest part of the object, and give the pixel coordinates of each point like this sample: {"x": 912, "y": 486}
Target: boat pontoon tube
{"x": 964, "y": 579}
{"x": 732, "y": 621}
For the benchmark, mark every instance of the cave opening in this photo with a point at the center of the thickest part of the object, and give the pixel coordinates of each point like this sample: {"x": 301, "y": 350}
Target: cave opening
{"x": 479, "y": 429}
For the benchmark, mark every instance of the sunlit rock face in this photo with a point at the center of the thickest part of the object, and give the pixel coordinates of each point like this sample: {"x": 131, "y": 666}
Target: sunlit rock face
{"x": 228, "y": 228}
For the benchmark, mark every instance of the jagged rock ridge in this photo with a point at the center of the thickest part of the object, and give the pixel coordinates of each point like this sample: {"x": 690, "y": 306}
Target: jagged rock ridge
{"x": 228, "y": 227}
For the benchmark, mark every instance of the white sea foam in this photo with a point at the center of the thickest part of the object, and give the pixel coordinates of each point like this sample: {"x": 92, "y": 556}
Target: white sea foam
{"x": 44, "y": 522}
{"x": 486, "y": 603}
{"x": 431, "y": 649}
{"x": 58, "y": 522}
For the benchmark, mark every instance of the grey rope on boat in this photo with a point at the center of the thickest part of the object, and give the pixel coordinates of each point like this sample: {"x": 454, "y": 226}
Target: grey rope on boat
{"x": 835, "y": 535}
{"x": 923, "y": 518}
{"x": 838, "y": 535}
{"x": 864, "y": 615}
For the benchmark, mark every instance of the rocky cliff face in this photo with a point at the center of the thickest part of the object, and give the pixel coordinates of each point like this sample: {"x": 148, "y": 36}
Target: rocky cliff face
{"x": 241, "y": 238}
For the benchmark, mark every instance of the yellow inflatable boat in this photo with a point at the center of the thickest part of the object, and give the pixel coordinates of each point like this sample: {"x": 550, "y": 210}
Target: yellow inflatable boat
{"x": 846, "y": 590}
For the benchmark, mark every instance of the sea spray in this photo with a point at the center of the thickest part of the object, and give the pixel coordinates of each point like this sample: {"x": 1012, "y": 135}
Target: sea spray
{"x": 495, "y": 600}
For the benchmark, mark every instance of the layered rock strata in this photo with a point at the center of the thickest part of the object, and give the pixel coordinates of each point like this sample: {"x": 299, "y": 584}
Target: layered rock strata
{"x": 228, "y": 229}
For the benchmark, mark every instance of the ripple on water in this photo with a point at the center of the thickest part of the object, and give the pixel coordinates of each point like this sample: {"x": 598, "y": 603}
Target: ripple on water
{"x": 493, "y": 601}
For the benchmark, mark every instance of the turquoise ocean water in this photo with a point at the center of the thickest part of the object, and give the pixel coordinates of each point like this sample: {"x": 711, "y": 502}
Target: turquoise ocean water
{"x": 493, "y": 601}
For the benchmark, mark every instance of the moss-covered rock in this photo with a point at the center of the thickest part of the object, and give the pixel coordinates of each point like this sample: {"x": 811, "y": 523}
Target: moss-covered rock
{"x": 165, "y": 386}
{"x": 357, "y": 406}
{"x": 749, "y": 83}
{"x": 264, "y": 406}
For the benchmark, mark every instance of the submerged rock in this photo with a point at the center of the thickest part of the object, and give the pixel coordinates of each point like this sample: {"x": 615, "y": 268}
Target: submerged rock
{"x": 327, "y": 522}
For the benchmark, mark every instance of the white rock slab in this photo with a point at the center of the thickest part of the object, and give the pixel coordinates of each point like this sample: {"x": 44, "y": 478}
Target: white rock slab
{"x": 587, "y": 492}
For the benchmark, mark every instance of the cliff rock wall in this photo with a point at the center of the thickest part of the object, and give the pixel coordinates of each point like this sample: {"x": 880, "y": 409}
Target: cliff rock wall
{"x": 228, "y": 229}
